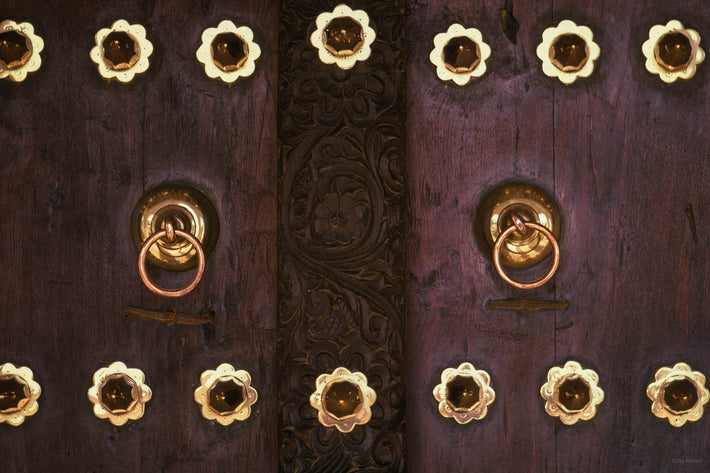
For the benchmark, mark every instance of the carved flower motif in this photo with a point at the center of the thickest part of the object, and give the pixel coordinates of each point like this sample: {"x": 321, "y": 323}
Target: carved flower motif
{"x": 343, "y": 399}
{"x": 27, "y": 55}
{"x": 234, "y": 396}
{"x": 683, "y": 46}
{"x": 19, "y": 394}
{"x": 571, "y": 393}
{"x": 342, "y": 44}
{"x": 338, "y": 219}
{"x": 121, "y": 51}
{"x": 460, "y": 54}
{"x": 464, "y": 393}
{"x": 118, "y": 393}
{"x": 235, "y": 44}
{"x": 567, "y": 51}
{"x": 692, "y": 392}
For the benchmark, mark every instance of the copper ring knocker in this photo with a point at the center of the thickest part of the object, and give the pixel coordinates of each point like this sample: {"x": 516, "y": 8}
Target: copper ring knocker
{"x": 523, "y": 227}
{"x": 170, "y": 233}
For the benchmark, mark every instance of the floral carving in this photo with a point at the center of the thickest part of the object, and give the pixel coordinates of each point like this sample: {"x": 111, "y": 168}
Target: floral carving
{"x": 341, "y": 266}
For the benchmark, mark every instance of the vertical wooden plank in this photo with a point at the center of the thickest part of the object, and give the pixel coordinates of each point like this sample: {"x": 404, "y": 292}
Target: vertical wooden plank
{"x": 341, "y": 262}
{"x": 71, "y": 153}
{"x": 78, "y": 154}
{"x": 222, "y": 140}
{"x": 463, "y": 141}
{"x": 631, "y": 156}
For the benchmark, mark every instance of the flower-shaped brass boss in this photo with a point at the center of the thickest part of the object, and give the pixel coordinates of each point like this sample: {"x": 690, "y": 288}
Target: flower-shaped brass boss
{"x": 118, "y": 393}
{"x": 225, "y": 394}
{"x": 672, "y": 51}
{"x": 343, "y": 37}
{"x": 571, "y": 393}
{"x": 678, "y": 394}
{"x": 567, "y": 51}
{"x": 343, "y": 399}
{"x": 18, "y": 394}
{"x": 228, "y": 52}
{"x": 459, "y": 54}
{"x": 464, "y": 393}
{"x": 19, "y": 50}
{"x": 121, "y": 51}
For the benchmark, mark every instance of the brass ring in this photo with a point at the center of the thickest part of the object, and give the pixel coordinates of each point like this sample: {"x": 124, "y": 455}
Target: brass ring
{"x": 161, "y": 290}
{"x": 538, "y": 282}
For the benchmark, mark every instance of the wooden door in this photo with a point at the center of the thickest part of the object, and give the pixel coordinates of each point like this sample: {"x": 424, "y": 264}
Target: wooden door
{"x": 78, "y": 153}
{"x": 399, "y": 294}
{"x": 625, "y": 156}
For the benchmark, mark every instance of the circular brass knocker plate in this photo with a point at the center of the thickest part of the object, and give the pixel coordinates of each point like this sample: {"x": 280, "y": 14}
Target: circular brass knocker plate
{"x": 189, "y": 211}
{"x": 532, "y": 204}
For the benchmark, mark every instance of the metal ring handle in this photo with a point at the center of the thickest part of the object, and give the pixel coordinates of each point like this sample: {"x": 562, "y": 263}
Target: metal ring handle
{"x": 161, "y": 290}
{"x": 538, "y": 282}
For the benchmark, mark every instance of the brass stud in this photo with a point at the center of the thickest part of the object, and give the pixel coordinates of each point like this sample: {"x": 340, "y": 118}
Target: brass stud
{"x": 19, "y": 50}
{"x": 18, "y": 394}
{"x": 672, "y": 51}
{"x": 460, "y": 54}
{"x": 568, "y": 52}
{"x": 464, "y": 393}
{"x": 119, "y": 393}
{"x": 678, "y": 394}
{"x": 121, "y": 51}
{"x": 343, "y": 37}
{"x": 571, "y": 393}
{"x": 228, "y": 52}
{"x": 225, "y": 394}
{"x": 343, "y": 399}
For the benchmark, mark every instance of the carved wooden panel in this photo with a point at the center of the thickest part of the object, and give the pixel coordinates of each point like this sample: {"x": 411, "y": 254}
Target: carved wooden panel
{"x": 341, "y": 263}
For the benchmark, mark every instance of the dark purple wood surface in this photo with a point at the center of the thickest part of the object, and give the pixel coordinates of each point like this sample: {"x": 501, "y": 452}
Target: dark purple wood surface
{"x": 77, "y": 154}
{"x": 624, "y": 155}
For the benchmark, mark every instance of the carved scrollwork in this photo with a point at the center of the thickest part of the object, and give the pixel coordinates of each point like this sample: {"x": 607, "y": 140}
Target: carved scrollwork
{"x": 342, "y": 234}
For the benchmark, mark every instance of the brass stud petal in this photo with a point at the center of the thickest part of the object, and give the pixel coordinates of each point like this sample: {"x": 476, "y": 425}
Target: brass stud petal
{"x": 244, "y": 67}
{"x": 666, "y": 72}
{"x": 225, "y": 373}
{"x": 567, "y": 29}
{"x": 473, "y": 411}
{"x": 31, "y": 60}
{"x": 142, "y": 49}
{"x": 680, "y": 372}
{"x": 26, "y": 405}
{"x": 556, "y": 377}
{"x": 140, "y": 393}
{"x": 466, "y": 74}
{"x": 357, "y": 414}
{"x": 360, "y": 53}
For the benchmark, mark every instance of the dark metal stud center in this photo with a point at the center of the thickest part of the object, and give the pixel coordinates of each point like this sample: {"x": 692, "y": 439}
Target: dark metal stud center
{"x": 226, "y": 396}
{"x": 680, "y": 395}
{"x": 343, "y": 36}
{"x": 573, "y": 394}
{"x": 463, "y": 392}
{"x": 117, "y": 393}
{"x": 14, "y": 49}
{"x": 120, "y": 50}
{"x": 461, "y": 54}
{"x": 673, "y": 51}
{"x": 342, "y": 399}
{"x": 569, "y": 52}
{"x": 229, "y": 51}
{"x": 12, "y": 392}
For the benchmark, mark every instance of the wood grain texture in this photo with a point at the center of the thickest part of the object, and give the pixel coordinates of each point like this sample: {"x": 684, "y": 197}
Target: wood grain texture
{"x": 624, "y": 155}
{"x": 341, "y": 265}
{"x": 78, "y": 153}
{"x": 462, "y": 141}
{"x": 631, "y": 154}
